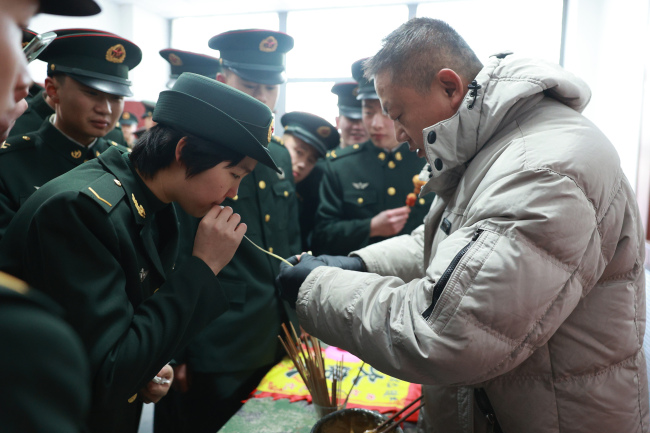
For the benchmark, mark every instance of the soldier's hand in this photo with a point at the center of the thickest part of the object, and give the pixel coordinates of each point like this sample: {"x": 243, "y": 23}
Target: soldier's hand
{"x": 290, "y": 278}
{"x": 389, "y": 222}
{"x": 181, "y": 378}
{"x": 218, "y": 237}
{"x": 154, "y": 391}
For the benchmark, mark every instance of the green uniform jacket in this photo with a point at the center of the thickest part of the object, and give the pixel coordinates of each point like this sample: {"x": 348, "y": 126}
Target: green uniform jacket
{"x": 361, "y": 181}
{"x": 46, "y": 380}
{"x": 38, "y": 110}
{"x": 246, "y": 337}
{"x": 308, "y": 199}
{"x": 27, "y": 162}
{"x": 99, "y": 243}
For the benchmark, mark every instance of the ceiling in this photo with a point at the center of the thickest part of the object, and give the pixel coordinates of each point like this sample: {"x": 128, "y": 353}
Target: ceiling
{"x": 183, "y": 8}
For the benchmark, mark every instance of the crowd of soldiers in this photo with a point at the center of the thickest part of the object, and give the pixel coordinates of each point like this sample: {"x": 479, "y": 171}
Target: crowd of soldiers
{"x": 322, "y": 188}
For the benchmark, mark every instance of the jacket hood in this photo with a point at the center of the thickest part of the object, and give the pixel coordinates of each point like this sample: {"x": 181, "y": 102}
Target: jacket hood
{"x": 509, "y": 86}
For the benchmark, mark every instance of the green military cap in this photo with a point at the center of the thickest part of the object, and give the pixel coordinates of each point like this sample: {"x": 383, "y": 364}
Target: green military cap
{"x": 128, "y": 118}
{"x": 312, "y": 129}
{"x": 349, "y": 105}
{"x": 218, "y": 113}
{"x": 99, "y": 60}
{"x": 186, "y": 61}
{"x": 253, "y": 54}
{"x": 366, "y": 88}
{"x": 75, "y": 8}
{"x": 148, "y": 108}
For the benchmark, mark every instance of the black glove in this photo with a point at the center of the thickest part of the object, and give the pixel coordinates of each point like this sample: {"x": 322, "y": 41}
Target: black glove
{"x": 344, "y": 262}
{"x": 290, "y": 278}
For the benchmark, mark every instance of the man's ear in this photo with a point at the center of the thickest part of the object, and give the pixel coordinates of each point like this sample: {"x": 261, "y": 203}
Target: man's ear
{"x": 52, "y": 89}
{"x": 179, "y": 150}
{"x": 452, "y": 85}
{"x": 221, "y": 77}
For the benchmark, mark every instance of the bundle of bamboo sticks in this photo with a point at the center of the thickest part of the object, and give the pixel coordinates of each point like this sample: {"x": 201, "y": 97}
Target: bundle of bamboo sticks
{"x": 307, "y": 357}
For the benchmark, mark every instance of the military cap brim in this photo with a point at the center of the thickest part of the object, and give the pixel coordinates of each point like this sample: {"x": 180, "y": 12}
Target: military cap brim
{"x": 254, "y": 54}
{"x": 73, "y": 8}
{"x": 128, "y": 119}
{"x": 179, "y": 108}
{"x": 313, "y": 130}
{"x": 148, "y": 108}
{"x": 348, "y": 104}
{"x": 103, "y": 85}
{"x": 366, "y": 87}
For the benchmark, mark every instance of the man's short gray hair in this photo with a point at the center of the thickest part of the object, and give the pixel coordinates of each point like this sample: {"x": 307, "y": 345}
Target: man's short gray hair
{"x": 415, "y": 52}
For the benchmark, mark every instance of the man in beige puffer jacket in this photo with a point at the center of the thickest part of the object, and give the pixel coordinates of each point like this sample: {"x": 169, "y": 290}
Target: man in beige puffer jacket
{"x": 526, "y": 281}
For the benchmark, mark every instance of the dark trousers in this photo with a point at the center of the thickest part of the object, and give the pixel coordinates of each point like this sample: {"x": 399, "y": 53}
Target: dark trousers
{"x": 210, "y": 402}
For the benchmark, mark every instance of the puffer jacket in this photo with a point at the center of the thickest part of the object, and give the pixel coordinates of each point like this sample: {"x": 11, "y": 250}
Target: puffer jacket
{"x": 526, "y": 279}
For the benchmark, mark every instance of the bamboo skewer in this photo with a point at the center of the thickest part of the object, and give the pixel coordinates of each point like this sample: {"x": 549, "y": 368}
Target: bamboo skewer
{"x": 378, "y": 429}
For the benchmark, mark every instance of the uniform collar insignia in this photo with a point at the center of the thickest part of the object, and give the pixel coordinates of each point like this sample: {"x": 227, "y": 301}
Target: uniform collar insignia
{"x": 140, "y": 208}
{"x": 360, "y": 185}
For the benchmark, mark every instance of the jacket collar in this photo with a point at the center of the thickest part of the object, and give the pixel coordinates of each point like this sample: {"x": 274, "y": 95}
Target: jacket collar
{"x": 509, "y": 87}
{"x": 68, "y": 149}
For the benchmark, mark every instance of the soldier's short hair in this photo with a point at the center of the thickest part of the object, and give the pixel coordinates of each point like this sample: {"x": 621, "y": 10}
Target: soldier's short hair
{"x": 415, "y": 52}
{"x": 156, "y": 149}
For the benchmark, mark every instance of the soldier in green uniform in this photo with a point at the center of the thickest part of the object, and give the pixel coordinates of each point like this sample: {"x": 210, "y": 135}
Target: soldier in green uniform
{"x": 40, "y": 105}
{"x": 186, "y": 61}
{"x": 46, "y": 380}
{"x": 102, "y": 240}
{"x": 363, "y": 192}
{"x": 87, "y": 89}
{"x": 229, "y": 358}
{"x": 147, "y": 116}
{"x": 308, "y": 138}
{"x": 129, "y": 123}
{"x": 348, "y": 122}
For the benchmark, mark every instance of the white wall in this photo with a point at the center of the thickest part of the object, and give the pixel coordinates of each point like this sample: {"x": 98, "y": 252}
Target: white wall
{"x": 605, "y": 47}
{"x": 146, "y": 29}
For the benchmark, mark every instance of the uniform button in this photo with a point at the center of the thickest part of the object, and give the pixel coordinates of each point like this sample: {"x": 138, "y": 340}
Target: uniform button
{"x": 286, "y": 193}
{"x": 267, "y": 217}
{"x": 391, "y": 191}
{"x": 398, "y": 156}
{"x": 391, "y": 164}
{"x": 422, "y": 201}
{"x": 360, "y": 200}
{"x": 431, "y": 137}
{"x": 381, "y": 156}
{"x": 117, "y": 182}
{"x": 271, "y": 250}
{"x": 262, "y": 184}
{"x": 356, "y": 146}
{"x": 438, "y": 164}
{"x": 235, "y": 198}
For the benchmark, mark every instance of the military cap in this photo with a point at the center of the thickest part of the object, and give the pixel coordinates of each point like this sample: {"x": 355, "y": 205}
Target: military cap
{"x": 312, "y": 129}
{"x": 349, "y": 105}
{"x": 253, "y": 54}
{"x": 75, "y": 8}
{"x": 128, "y": 118}
{"x": 186, "y": 61}
{"x": 366, "y": 88}
{"x": 148, "y": 108}
{"x": 28, "y": 35}
{"x": 99, "y": 60}
{"x": 218, "y": 113}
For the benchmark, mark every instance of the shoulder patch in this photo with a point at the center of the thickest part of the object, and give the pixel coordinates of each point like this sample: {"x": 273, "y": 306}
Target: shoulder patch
{"x": 106, "y": 191}
{"x": 17, "y": 142}
{"x": 277, "y": 140}
{"x": 337, "y": 153}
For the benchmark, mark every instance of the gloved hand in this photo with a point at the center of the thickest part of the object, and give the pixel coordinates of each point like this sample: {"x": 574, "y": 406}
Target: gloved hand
{"x": 290, "y": 278}
{"x": 344, "y": 262}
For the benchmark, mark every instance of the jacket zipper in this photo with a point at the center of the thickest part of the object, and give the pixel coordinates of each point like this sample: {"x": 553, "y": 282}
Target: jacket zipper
{"x": 442, "y": 282}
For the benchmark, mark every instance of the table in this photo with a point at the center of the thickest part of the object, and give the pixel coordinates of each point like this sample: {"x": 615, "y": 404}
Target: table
{"x": 265, "y": 415}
